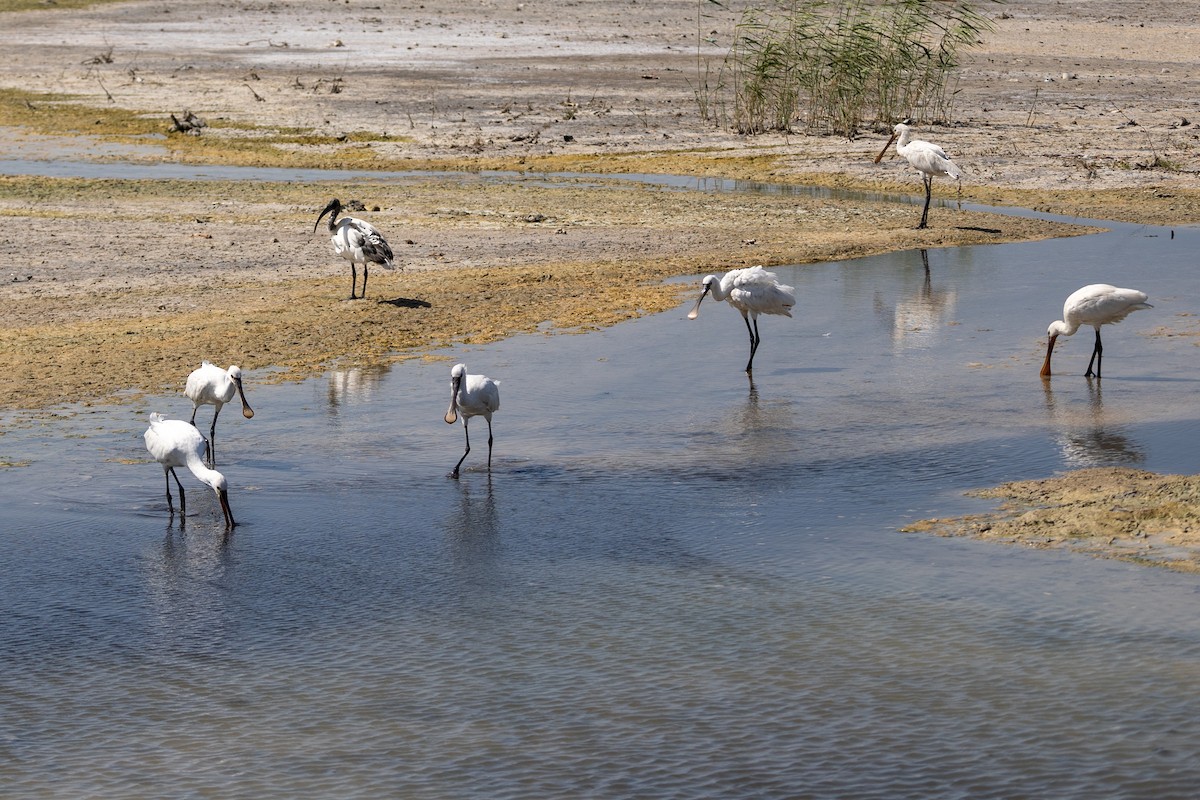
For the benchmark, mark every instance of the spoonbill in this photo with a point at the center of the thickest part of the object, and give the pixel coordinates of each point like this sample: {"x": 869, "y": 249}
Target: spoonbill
{"x": 213, "y": 386}
{"x": 925, "y": 157}
{"x": 474, "y": 396}
{"x": 356, "y": 241}
{"x": 175, "y": 443}
{"x": 752, "y": 291}
{"x": 1096, "y": 304}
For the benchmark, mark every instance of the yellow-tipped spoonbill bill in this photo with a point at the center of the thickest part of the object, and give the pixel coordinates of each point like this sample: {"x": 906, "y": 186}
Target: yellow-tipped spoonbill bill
{"x": 356, "y": 241}
{"x": 1097, "y": 304}
{"x": 210, "y": 385}
{"x": 175, "y": 443}
{"x": 925, "y": 157}
{"x": 752, "y": 291}
{"x": 474, "y": 396}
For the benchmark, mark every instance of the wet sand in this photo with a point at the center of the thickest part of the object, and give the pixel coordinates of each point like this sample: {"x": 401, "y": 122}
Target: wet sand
{"x": 112, "y": 288}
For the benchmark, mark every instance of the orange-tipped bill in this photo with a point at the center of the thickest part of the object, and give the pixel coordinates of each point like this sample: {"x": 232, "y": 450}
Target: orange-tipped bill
{"x": 695, "y": 312}
{"x": 1049, "y": 351}
{"x": 879, "y": 157}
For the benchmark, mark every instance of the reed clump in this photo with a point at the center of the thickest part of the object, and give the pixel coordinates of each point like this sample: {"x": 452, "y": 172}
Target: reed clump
{"x": 826, "y": 66}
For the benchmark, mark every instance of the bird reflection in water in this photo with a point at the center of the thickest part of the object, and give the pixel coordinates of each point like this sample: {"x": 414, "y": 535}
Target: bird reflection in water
{"x": 762, "y": 430}
{"x": 472, "y": 534}
{"x": 355, "y": 385}
{"x": 187, "y": 582}
{"x": 1085, "y": 437}
{"x": 918, "y": 317}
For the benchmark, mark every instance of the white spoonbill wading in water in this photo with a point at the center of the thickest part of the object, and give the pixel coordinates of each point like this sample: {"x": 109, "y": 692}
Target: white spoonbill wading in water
{"x": 752, "y": 291}
{"x": 473, "y": 396}
{"x": 213, "y": 386}
{"x": 1095, "y": 305}
{"x": 175, "y": 443}
{"x": 925, "y": 157}
{"x": 356, "y": 241}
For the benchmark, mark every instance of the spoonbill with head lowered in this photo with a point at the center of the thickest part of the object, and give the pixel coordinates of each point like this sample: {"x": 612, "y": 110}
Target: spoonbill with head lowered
{"x": 175, "y": 443}
{"x": 210, "y": 385}
{"x": 1097, "y": 304}
{"x": 356, "y": 241}
{"x": 752, "y": 291}
{"x": 925, "y": 157}
{"x": 474, "y": 396}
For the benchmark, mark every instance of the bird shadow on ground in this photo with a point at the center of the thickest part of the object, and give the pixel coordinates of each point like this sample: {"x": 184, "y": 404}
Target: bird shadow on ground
{"x": 974, "y": 228}
{"x": 407, "y": 302}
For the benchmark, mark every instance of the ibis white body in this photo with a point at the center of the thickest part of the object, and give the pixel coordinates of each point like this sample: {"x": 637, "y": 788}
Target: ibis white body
{"x": 358, "y": 242}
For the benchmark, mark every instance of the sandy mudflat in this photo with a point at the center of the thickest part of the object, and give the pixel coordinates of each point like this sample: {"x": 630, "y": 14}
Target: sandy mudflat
{"x": 114, "y": 287}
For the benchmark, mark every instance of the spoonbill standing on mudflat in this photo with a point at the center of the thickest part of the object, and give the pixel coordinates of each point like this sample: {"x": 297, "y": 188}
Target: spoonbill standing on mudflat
{"x": 356, "y": 241}
{"x": 213, "y": 386}
{"x": 752, "y": 291}
{"x": 1095, "y": 305}
{"x": 175, "y": 443}
{"x": 474, "y": 396}
{"x": 925, "y": 157}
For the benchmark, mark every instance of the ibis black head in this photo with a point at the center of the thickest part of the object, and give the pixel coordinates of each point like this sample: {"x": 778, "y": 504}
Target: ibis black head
{"x": 335, "y": 206}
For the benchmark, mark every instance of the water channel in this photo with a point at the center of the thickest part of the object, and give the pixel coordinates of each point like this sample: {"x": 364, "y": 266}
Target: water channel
{"x": 672, "y": 584}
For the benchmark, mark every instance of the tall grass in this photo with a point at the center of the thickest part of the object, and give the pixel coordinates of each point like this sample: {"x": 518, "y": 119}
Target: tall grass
{"x": 829, "y": 65}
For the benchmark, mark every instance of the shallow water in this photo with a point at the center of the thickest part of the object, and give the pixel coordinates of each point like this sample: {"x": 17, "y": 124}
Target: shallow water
{"x": 672, "y": 585}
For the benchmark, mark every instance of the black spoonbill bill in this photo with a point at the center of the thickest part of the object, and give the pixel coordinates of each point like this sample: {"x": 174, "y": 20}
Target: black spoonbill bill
{"x": 752, "y": 291}
{"x": 927, "y": 158}
{"x": 356, "y": 241}
{"x": 175, "y": 443}
{"x": 1095, "y": 305}
{"x": 473, "y": 396}
{"x": 212, "y": 386}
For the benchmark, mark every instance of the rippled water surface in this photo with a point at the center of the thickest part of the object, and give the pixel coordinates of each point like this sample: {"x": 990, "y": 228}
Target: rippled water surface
{"x": 672, "y": 585}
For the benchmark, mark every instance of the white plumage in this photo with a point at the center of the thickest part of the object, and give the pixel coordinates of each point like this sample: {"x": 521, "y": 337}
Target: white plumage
{"x": 208, "y": 384}
{"x": 1097, "y": 304}
{"x": 474, "y": 396}
{"x": 175, "y": 443}
{"x": 752, "y": 291}
{"x": 925, "y": 157}
{"x": 356, "y": 241}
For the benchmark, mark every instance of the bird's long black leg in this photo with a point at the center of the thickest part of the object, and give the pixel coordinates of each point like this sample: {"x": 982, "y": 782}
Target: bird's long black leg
{"x": 364, "y": 291}
{"x": 212, "y": 439}
{"x": 194, "y": 410}
{"x": 182, "y": 497}
{"x": 489, "y": 422}
{"x": 928, "y": 197}
{"x": 170, "y": 504}
{"x": 1097, "y": 357}
{"x": 353, "y": 281}
{"x": 753, "y": 342}
{"x": 467, "y": 436}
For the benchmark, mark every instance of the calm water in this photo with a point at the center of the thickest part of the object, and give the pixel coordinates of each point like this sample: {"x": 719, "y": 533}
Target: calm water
{"x": 672, "y": 585}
